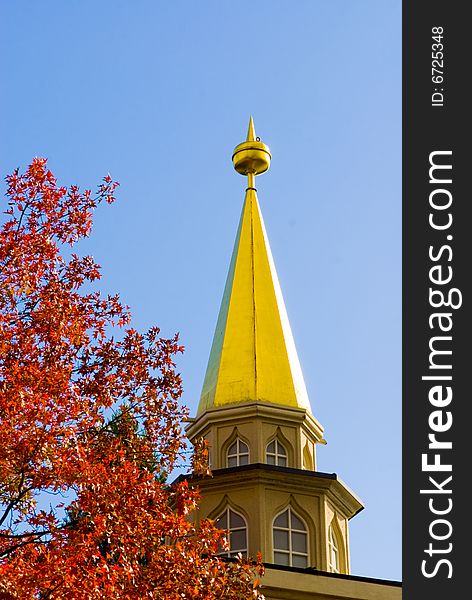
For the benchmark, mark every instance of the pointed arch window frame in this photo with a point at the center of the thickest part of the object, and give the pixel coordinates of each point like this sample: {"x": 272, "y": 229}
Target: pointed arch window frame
{"x": 276, "y": 454}
{"x": 308, "y": 455}
{"x": 336, "y": 557}
{"x": 333, "y": 551}
{"x": 232, "y": 527}
{"x": 240, "y": 455}
{"x": 291, "y": 532}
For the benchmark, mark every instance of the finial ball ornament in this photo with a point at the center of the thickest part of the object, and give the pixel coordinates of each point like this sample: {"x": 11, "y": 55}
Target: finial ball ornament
{"x": 252, "y": 156}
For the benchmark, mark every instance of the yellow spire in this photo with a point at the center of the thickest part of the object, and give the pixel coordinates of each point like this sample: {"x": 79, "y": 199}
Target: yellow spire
{"x": 253, "y": 355}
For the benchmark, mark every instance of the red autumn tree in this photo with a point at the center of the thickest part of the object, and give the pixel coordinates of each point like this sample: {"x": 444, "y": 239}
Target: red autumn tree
{"x": 89, "y": 425}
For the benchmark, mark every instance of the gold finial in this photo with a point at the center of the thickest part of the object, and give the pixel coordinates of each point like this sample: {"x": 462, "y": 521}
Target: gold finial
{"x": 252, "y": 157}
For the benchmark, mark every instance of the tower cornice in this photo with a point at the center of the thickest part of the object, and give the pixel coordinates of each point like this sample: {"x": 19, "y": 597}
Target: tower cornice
{"x": 291, "y": 480}
{"x": 251, "y": 410}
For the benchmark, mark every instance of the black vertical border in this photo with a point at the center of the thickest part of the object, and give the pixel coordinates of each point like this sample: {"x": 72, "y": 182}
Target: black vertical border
{"x": 428, "y": 128}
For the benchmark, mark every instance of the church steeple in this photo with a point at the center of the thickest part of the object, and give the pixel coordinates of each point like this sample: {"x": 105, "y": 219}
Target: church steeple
{"x": 255, "y": 415}
{"x": 253, "y": 355}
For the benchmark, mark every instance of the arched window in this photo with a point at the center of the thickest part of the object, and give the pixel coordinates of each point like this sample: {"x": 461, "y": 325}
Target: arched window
{"x": 290, "y": 540}
{"x": 307, "y": 458}
{"x": 236, "y": 525}
{"x": 276, "y": 454}
{"x": 333, "y": 551}
{"x": 238, "y": 454}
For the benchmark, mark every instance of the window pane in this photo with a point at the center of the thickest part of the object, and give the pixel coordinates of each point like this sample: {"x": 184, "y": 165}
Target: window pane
{"x": 332, "y": 538}
{"x": 233, "y": 448}
{"x": 282, "y": 520}
{"x": 232, "y": 461}
{"x": 235, "y": 520}
{"x": 237, "y": 540}
{"x": 244, "y": 459}
{"x": 299, "y": 561}
{"x": 299, "y": 542}
{"x": 222, "y": 522}
{"x": 281, "y": 559}
{"x": 243, "y": 449}
{"x": 271, "y": 447}
{"x": 281, "y": 449}
{"x": 280, "y": 539}
{"x": 297, "y": 524}
{"x": 334, "y": 558}
{"x": 270, "y": 459}
{"x": 282, "y": 461}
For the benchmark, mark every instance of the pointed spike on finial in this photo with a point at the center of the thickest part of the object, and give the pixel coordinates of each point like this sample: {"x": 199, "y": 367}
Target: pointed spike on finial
{"x": 251, "y": 132}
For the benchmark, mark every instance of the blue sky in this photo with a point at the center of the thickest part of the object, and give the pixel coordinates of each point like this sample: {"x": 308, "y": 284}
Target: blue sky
{"x": 158, "y": 94}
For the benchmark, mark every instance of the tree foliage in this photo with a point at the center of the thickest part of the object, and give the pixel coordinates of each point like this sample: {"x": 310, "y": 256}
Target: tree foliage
{"x": 90, "y": 424}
